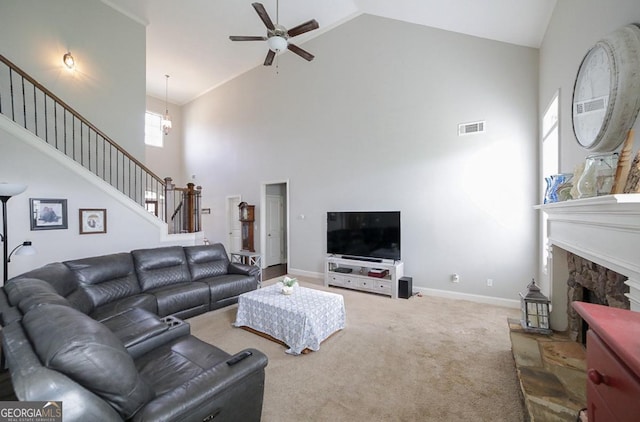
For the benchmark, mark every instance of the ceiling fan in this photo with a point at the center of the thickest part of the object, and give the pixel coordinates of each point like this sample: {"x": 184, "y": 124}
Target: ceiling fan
{"x": 278, "y": 36}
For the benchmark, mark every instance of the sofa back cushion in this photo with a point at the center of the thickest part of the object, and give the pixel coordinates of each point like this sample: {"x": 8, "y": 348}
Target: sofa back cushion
{"x": 207, "y": 260}
{"x": 41, "y": 298}
{"x": 161, "y": 267}
{"x": 18, "y": 289}
{"x": 105, "y": 278}
{"x": 72, "y": 343}
{"x": 57, "y": 274}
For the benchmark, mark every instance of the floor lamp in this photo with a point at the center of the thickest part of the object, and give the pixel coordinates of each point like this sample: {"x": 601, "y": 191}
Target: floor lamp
{"x": 7, "y": 190}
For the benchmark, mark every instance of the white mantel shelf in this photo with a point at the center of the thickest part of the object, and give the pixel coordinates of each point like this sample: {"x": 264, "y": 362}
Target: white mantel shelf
{"x": 604, "y": 230}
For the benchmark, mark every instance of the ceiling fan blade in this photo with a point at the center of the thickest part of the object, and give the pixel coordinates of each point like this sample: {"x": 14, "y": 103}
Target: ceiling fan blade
{"x": 247, "y": 38}
{"x": 262, "y": 12}
{"x": 303, "y": 27}
{"x": 269, "y": 59}
{"x": 300, "y": 52}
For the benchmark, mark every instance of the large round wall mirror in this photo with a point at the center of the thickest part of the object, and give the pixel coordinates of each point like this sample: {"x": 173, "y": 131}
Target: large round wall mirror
{"x": 606, "y": 94}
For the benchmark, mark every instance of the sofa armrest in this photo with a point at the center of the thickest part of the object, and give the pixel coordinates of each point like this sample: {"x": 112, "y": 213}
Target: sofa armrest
{"x": 34, "y": 382}
{"x": 238, "y": 268}
{"x": 8, "y": 313}
{"x": 226, "y": 392}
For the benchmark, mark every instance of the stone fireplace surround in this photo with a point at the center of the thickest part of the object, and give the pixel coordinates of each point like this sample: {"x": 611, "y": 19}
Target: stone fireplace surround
{"x": 604, "y": 230}
{"x": 592, "y": 283}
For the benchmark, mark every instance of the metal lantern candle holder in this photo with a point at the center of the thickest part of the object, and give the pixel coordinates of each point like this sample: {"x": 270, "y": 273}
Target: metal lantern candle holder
{"x": 535, "y": 310}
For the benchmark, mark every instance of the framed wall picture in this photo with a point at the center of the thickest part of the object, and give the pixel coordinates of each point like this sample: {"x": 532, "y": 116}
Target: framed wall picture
{"x": 48, "y": 214}
{"x": 93, "y": 220}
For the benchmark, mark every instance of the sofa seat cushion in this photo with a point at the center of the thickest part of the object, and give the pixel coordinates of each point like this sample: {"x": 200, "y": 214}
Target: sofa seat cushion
{"x": 229, "y": 286}
{"x": 144, "y": 301}
{"x": 134, "y": 326}
{"x": 179, "y": 297}
{"x": 83, "y": 349}
{"x": 178, "y": 362}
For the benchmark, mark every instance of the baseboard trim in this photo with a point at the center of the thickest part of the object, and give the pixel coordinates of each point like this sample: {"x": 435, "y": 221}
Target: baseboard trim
{"x": 490, "y": 300}
{"x": 303, "y": 273}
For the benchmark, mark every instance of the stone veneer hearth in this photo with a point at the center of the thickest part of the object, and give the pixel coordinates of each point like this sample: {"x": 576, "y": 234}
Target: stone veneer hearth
{"x": 593, "y": 283}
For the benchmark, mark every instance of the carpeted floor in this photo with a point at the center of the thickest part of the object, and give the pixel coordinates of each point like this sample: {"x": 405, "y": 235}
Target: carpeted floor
{"x": 421, "y": 359}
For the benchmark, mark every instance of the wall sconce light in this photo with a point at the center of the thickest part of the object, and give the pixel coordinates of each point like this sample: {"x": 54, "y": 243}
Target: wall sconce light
{"x": 7, "y": 190}
{"x": 69, "y": 61}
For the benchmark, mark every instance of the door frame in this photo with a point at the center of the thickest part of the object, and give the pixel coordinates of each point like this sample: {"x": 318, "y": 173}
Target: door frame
{"x": 229, "y": 214}
{"x": 263, "y": 219}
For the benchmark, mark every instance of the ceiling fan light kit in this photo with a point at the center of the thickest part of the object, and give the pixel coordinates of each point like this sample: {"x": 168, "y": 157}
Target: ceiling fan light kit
{"x": 277, "y": 43}
{"x": 278, "y": 36}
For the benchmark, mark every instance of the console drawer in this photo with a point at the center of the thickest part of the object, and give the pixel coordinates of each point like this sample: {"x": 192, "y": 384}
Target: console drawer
{"x": 611, "y": 380}
{"x": 383, "y": 287}
{"x": 366, "y": 284}
{"x": 336, "y": 280}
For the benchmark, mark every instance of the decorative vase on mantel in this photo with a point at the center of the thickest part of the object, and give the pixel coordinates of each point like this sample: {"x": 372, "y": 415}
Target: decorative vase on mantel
{"x": 598, "y": 175}
{"x": 554, "y": 182}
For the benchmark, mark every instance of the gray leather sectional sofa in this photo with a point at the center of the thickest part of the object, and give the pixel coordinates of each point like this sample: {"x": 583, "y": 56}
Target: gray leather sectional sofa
{"x": 105, "y": 336}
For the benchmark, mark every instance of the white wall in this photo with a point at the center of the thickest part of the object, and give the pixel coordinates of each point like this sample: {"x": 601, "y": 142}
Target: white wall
{"x": 168, "y": 161}
{"x": 51, "y": 175}
{"x": 575, "y": 27}
{"x": 371, "y": 124}
{"x": 108, "y": 87}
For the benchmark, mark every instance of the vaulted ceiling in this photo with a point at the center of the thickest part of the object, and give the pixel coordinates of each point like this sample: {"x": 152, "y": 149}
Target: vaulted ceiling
{"x": 189, "y": 39}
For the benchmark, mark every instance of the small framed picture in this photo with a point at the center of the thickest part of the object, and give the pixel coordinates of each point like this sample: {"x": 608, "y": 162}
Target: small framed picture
{"x": 93, "y": 220}
{"x": 48, "y": 214}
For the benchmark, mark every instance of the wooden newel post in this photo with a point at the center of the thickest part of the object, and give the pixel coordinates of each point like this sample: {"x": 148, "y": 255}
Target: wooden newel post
{"x": 198, "y": 209}
{"x": 191, "y": 199}
{"x": 168, "y": 198}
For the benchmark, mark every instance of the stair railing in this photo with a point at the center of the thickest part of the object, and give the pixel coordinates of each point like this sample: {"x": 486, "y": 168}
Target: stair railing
{"x": 32, "y": 106}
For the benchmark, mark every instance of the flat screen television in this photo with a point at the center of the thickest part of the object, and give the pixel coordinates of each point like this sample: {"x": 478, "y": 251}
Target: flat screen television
{"x": 367, "y": 234}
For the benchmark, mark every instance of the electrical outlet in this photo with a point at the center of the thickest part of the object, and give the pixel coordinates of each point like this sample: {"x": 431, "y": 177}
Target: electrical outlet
{"x": 455, "y": 278}
{"x": 490, "y": 282}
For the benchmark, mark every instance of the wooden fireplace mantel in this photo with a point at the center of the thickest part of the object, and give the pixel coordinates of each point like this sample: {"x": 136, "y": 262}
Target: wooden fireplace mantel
{"x": 604, "y": 230}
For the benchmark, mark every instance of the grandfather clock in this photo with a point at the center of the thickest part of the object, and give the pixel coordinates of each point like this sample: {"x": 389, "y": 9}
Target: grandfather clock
{"x": 247, "y": 218}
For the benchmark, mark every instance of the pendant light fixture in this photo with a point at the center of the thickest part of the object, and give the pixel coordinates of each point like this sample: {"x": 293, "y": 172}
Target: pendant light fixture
{"x": 166, "y": 120}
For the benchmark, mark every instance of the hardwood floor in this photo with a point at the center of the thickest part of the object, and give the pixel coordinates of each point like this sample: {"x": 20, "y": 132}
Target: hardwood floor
{"x": 274, "y": 271}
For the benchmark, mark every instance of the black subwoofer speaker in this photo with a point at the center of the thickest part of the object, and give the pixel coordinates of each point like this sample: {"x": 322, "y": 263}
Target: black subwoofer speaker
{"x": 405, "y": 287}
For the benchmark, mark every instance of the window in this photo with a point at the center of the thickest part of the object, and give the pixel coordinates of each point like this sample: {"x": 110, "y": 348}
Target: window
{"x": 153, "y": 129}
{"x": 550, "y": 146}
{"x": 550, "y": 164}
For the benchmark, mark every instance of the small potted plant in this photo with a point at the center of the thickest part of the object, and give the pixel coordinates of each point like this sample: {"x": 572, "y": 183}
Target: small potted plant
{"x": 288, "y": 284}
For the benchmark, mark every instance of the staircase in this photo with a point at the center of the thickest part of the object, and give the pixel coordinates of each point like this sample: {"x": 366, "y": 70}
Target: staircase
{"x": 30, "y": 105}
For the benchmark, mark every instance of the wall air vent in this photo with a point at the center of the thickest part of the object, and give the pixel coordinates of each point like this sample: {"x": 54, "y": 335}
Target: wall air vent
{"x": 471, "y": 128}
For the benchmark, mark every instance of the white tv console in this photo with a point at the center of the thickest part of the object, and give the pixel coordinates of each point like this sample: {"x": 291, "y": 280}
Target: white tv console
{"x": 358, "y": 279}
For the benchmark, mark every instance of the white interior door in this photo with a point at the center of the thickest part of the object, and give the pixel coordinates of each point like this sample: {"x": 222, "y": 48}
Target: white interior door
{"x": 233, "y": 224}
{"x": 275, "y": 230}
